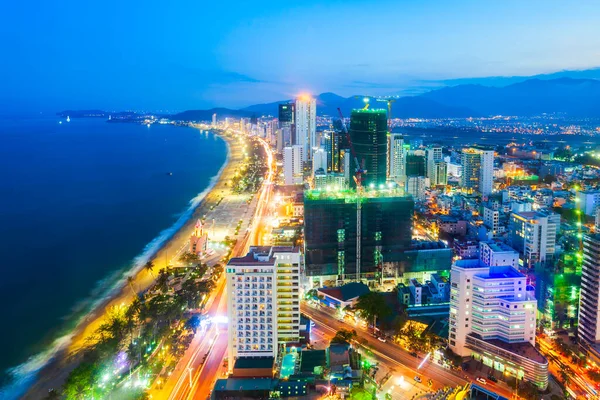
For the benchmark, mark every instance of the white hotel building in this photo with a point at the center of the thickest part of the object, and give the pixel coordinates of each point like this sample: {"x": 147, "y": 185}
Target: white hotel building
{"x": 263, "y": 302}
{"x": 493, "y": 318}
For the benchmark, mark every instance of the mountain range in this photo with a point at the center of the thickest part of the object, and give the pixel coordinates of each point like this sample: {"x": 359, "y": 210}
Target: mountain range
{"x": 567, "y": 96}
{"x": 572, "y": 97}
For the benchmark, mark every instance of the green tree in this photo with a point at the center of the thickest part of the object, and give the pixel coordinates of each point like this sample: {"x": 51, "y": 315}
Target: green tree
{"x": 372, "y": 305}
{"x": 344, "y": 336}
{"x": 81, "y": 381}
{"x": 130, "y": 282}
{"x": 217, "y": 271}
{"x": 149, "y": 267}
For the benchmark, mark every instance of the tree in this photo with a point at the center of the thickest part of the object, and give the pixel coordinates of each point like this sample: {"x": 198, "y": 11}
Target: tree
{"x": 162, "y": 283}
{"x": 217, "y": 271}
{"x": 344, "y": 336}
{"x": 130, "y": 281}
{"x": 149, "y": 267}
{"x": 189, "y": 258}
{"x": 372, "y": 305}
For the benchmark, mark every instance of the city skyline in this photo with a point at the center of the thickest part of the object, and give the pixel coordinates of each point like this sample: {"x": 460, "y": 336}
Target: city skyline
{"x": 190, "y": 56}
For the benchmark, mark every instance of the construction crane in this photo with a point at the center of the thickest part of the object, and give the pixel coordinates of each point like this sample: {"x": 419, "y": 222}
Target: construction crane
{"x": 358, "y": 173}
{"x": 389, "y": 110}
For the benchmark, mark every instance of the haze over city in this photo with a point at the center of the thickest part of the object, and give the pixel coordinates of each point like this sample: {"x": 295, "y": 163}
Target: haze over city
{"x": 192, "y": 55}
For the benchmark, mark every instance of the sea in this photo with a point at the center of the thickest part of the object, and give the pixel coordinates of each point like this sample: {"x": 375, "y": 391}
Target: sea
{"x": 82, "y": 203}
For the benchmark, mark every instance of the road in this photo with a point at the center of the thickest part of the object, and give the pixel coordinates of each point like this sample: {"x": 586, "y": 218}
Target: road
{"x": 578, "y": 382}
{"x": 195, "y": 375}
{"x": 404, "y": 365}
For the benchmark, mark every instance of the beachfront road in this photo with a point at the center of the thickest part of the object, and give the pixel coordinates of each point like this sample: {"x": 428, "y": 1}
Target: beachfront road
{"x": 203, "y": 363}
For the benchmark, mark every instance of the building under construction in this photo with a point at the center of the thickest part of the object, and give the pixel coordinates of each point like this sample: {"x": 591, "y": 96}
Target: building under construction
{"x": 330, "y": 229}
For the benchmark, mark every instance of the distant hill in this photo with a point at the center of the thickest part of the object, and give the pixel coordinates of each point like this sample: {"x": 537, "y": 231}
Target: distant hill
{"x": 404, "y": 107}
{"x": 575, "y": 97}
{"x": 206, "y": 115}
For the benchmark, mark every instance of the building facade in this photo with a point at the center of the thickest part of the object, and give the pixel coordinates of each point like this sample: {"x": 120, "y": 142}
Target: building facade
{"x": 330, "y": 230}
{"x": 533, "y": 235}
{"x": 263, "y": 301}
{"x": 493, "y": 318}
{"x": 368, "y": 132}
{"x": 397, "y": 158}
{"x": 305, "y": 125}
{"x": 292, "y": 165}
{"x": 589, "y": 299}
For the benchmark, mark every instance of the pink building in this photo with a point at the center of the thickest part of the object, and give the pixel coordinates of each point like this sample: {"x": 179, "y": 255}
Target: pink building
{"x": 198, "y": 239}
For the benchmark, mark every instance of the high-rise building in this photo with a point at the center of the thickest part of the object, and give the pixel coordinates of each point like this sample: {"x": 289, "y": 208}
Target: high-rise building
{"x": 493, "y": 319}
{"x": 305, "y": 125}
{"x": 368, "y": 132}
{"x": 331, "y": 143}
{"x": 319, "y": 160}
{"x": 214, "y": 120}
{"x": 533, "y": 235}
{"x": 441, "y": 173}
{"x": 477, "y": 170}
{"x": 588, "y": 201}
{"x": 330, "y": 231}
{"x": 433, "y": 155}
{"x": 589, "y": 298}
{"x": 415, "y": 165}
{"x": 491, "y": 219}
{"x": 397, "y": 159}
{"x": 286, "y": 114}
{"x": 292, "y": 165}
{"x": 416, "y": 186}
{"x": 263, "y": 301}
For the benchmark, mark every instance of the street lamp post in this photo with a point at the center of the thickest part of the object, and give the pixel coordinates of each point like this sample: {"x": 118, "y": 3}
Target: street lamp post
{"x": 190, "y": 375}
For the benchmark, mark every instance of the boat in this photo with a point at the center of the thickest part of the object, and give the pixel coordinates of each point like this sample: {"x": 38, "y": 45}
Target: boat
{"x": 68, "y": 119}
{"x": 169, "y": 173}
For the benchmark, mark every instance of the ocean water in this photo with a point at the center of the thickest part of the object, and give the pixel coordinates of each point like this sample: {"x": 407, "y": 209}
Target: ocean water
{"x": 81, "y": 203}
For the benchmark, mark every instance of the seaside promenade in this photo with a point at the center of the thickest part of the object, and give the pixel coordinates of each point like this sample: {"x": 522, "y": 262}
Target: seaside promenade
{"x": 220, "y": 205}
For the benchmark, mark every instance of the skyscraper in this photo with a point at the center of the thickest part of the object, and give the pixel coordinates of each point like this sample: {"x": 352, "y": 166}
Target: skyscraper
{"x": 263, "y": 301}
{"x": 397, "y": 158}
{"x": 433, "y": 155}
{"x": 533, "y": 234}
{"x": 478, "y": 170}
{"x": 589, "y": 299}
{"x": 319, "y": 160}
{"x": 415, "y": 165}
{"x": 368, "y": 132}
{"x": 305, "y": 125}
{"x": 286, "y": 123}
{"x": 292, "y": 164}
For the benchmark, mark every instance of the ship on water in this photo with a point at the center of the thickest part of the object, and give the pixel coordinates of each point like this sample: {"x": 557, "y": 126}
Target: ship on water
{"x": 68, "y": 119}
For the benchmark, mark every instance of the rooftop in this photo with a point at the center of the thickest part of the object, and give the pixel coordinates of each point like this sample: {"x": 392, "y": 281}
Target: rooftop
{"x": 242, "y": 384}
{"x": 499, "y": 247}
{"x": 384, "y": 191}
{"x": 254, "y": 362}
{"x": 262, "y": 255}
{"x": 346, "y": 292}
{"x": 524, "y": 349}
{"x": 310, "y": 359}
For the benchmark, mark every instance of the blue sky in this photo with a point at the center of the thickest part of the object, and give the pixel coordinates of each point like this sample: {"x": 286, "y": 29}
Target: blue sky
{"x": 195, "y": 54}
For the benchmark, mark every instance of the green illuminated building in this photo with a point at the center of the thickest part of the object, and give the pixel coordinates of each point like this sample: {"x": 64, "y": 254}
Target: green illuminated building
{"x": 557, "y": 292}
{"x": 330, "y": 230}
{"x": 368, "y": 132}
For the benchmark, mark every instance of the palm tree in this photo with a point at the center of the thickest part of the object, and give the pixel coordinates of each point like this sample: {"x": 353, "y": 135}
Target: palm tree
{"x": 149, "y": 267}
{"x": 130, "y": 281}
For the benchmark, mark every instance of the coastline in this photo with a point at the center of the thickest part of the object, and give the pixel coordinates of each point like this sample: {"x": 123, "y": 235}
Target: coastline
{"x": 55, "y": 372}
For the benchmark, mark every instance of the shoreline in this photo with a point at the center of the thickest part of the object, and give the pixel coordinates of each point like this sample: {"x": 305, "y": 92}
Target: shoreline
{"x": 55, "y": 372}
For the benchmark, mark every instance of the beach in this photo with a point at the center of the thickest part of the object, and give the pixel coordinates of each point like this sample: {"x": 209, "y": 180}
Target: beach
{"x": 55, "y": 373}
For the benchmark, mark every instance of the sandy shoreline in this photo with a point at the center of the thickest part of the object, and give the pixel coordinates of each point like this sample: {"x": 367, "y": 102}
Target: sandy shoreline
{"x": 55, "y": 373}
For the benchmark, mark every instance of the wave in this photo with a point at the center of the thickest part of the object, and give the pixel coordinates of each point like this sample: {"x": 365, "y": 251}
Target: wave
{"x": 24, "y": 375}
